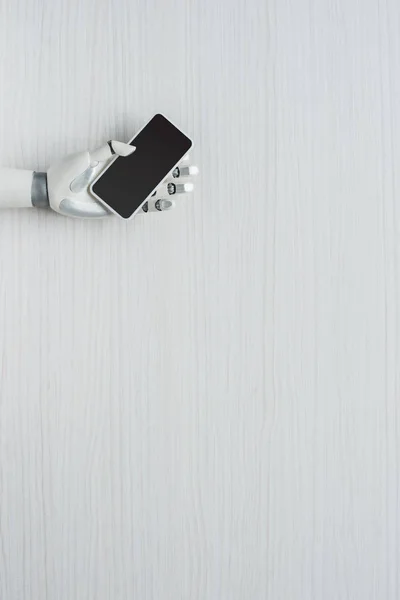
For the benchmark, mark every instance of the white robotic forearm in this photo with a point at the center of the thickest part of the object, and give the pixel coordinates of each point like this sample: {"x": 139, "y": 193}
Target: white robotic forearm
{"x": 65, "y": 187}
{"x": 22, "y": 189}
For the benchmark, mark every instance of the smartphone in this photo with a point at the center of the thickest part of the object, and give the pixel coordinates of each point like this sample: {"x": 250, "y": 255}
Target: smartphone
{"x": 126, "y": 184}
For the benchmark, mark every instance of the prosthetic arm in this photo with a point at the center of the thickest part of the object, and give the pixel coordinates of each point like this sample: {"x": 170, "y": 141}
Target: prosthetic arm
{"x": 65, "y": 187}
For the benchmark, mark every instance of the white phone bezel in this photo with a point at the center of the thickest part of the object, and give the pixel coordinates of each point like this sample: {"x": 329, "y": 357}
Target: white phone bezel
{"x": 116, "y": 158}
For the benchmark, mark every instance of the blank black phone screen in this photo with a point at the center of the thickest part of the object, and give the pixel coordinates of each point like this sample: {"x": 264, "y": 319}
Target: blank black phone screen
{"x": 128, "y": 182}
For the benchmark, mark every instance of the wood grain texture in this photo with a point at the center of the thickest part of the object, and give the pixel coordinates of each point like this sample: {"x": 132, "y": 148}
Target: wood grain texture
{"x": 204, "y": 404}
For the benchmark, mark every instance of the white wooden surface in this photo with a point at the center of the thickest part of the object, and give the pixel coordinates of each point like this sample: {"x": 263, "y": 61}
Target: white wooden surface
{"x": 205, "y": 404}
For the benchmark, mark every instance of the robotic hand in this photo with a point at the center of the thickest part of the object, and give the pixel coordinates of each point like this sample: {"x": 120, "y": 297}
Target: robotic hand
{"x": 65, "y": 187}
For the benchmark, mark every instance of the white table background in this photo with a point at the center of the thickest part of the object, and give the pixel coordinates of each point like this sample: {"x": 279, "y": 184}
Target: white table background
{"x": 204, "y": 404}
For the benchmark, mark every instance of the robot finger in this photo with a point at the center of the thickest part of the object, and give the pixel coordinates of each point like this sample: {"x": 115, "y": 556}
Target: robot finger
{"x": 157, "y": 205}
{"x": 111, "y": 148}
{"x": 185, "y": 170}
{"x": 172, "y": 188}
